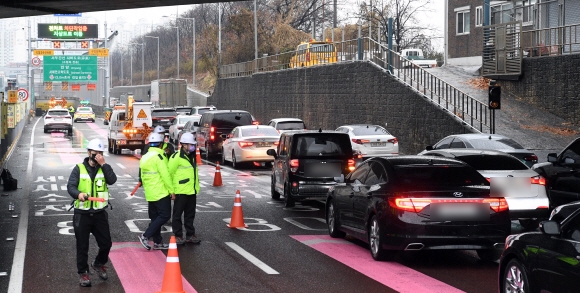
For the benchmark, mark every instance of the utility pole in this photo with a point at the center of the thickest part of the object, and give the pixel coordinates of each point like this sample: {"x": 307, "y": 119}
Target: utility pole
{"x": 142, "y": 61}
{"x": 106, "y": 92}
{"x": 122, "y": 65}
{"x": 28, "y": 75}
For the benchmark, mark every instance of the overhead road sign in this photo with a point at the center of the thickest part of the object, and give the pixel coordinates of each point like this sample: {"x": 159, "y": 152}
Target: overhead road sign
{"x": 101, "y": 52}
{"x": 70, "y": 68}
{"x": 43, "y": 52}
{"x": 68, "y": 31}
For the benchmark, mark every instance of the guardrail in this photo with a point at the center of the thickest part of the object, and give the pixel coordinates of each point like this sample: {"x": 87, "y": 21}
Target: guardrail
{"x": 466, "y": 108}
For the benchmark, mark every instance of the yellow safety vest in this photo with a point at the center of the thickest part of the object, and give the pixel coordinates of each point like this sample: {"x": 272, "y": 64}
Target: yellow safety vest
{"x": 98, "y": 188}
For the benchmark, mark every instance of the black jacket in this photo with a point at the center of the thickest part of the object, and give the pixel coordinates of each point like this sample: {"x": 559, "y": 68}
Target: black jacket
{"x": 73, "y": 180}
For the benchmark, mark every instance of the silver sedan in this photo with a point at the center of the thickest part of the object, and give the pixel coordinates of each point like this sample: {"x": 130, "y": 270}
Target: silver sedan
{"x": 249, "y": 143}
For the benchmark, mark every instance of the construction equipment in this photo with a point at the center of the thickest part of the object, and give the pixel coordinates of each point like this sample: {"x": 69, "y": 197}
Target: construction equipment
{"x": 129, "y": 127}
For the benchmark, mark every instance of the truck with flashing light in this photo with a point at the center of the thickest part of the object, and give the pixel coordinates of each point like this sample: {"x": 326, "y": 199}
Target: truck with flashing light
{"x": 416, "y": 57}
{"x": 129, "y": 127}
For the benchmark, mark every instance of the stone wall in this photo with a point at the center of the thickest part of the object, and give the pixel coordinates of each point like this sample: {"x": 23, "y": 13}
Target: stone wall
{"x": 329, "y": 96}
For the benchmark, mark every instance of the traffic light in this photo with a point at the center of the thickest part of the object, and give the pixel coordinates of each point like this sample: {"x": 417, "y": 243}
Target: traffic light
{"x": 494, "y": 97}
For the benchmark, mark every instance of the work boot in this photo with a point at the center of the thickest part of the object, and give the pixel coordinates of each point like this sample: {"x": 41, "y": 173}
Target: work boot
{"x": 85, "y": 279}
{"x": 192, "y": 239}
{"x": 101, "y": 271}
{"x": 179, "y": 240}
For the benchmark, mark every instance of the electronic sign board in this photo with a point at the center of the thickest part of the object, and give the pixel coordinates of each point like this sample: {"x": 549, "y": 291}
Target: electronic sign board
{"x": 67, "y": 31}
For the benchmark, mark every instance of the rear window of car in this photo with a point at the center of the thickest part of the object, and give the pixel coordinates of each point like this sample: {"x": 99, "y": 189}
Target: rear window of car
{"x": 480, "y": 162}
{"x": 436, "y": 177}
{"x": 163, "y": 113}
{"x": 294, "y": 125}
{"x": 200, "y": 111}
{"x": 259, "y": 132}
{"x": 183, "y": 120}
{"x": 321, "y": 146}
{"x": 371, "y": 130}
{"x": 489, "y": 144}
{"x": 183, "y": 110}
{"x": 231, "y": 120}
{"x": 58, "y": 113}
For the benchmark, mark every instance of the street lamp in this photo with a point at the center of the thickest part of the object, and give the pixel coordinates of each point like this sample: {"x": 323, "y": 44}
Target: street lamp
{"x": 193, "y": 58}
{"x": 157, "y": 53}
{"x": 142, "y": 63}
{"x": 177, "y": 29}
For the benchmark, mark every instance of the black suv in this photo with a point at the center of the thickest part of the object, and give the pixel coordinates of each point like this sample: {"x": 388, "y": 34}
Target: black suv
{"x": 215, "y": 123}
{"x": 162, "y": 116}
{"x": 306, "y": 163}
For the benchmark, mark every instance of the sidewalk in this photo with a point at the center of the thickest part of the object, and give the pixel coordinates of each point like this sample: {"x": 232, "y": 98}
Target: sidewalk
{"x": 534, "y": 128}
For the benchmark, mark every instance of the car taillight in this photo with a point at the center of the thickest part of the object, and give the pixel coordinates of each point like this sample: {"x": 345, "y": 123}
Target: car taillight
{"x": 497, "y": 204}
{"x": 244, "y": 144}
{"x": 294, "y": 163}
{"x": 256, "y": 122}
{"x": 538, "y": 180}
{"x": 409, "y": 204}
{"x": 417, "y": 204}
{"x": 49, "y": 117}
{"x": 531, "y": 158}
{"x": 276, "y": 143}
{"x": 212, "y": 129}
{"x": 212, "y": 137}
{"x": 393, "y": 140}
{"x": 351, "y": 165}
{"x": 360, "y": 141}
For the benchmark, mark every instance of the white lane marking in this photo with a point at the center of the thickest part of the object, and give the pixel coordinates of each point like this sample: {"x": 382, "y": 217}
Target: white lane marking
{"x": 264, "y": 267}
{"x": 121, "y": 166}
{"x": 257, "y": 195}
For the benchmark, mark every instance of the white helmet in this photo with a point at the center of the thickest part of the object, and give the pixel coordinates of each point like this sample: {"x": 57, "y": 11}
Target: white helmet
{"x": 187, "y": 138}
{"x": 155, "y": 137}
{"x": 159, "y": 129}
{"x": 96, "y": 145}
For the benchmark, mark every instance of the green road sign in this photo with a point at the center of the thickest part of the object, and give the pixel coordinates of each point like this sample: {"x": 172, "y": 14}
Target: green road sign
{"x": 70, "y": 68}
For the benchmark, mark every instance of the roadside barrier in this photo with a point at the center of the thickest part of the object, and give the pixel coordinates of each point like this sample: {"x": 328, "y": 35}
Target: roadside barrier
{"x": 237, "y": 220}
{"x": 217, "y": 179}
{"x": 172, "y": 282}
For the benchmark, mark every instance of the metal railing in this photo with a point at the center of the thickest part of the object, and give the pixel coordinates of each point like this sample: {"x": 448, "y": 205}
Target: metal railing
{"x": 472, "y": 112}
{"x": 551, "y": 41}
{"x": 502, "y": 53}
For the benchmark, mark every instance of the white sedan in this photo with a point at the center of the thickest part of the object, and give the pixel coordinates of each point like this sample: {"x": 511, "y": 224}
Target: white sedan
{"x": 249, "y": 143}
{"x": 177, "y": 125}
{"x": 371, "y": 140}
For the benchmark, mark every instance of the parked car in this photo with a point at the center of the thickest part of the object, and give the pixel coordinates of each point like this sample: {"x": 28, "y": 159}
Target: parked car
{"x": 306, "y": 162}
{"x": 249, "y": 144}
{"x": 418, "y": 202}
{"x": 58, "y": 119}
{"x": 286, "y": 124}
{"x": 547, "y": 260}
{"x": 177, "y": 125}
{"x": 215, "y": 123}
{"x": 562, "y": 173}
{"x": 84, "y": 114}
{"x": 187, "y": 128}
{"x": 183, "y": 110}
{"x": 163, "y": 117}
{"x": 523, "y": 188}
{"x": 487, "y": 142}
{"x": 199, "y": 110}
{"x": 371, "y": 140}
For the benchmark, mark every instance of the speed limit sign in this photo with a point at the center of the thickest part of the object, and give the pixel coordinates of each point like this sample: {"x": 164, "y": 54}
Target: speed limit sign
{"x": 35, "y": 61}
{"x": 22, "y": 95}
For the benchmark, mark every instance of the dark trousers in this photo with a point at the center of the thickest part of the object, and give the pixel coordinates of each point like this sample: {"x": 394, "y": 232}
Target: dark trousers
{"x": 184, "y": 204}
{"x": 159, "y": 213}
{"x": 98, "y": 224}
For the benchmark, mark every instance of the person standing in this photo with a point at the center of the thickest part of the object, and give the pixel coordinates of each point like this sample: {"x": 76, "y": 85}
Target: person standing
{"x": 167, "y": 147}
{"x": 158, "y": 187}
{"x": 89, "y": 179}
{"x": 183, "y": 170}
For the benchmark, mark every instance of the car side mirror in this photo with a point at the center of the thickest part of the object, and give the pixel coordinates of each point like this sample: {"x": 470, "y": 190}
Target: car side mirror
{"x": 552, "y": 157}
{"x": 339, "y": 179}
{"x": 550, "y": 228}
{"x": 272, "y": 152}
{"x": 195, "y": 123}
{"x": 429, "y": 148}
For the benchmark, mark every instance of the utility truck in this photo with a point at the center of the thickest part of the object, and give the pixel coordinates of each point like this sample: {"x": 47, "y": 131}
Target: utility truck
{"x": 416, "y": 57}
{"x": 129, "y": 127}
{"x": 169, "y": 92}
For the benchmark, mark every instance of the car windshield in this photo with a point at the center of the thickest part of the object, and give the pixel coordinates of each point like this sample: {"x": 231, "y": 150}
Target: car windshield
{"x": 489, "y": 144}
{"x": 57, "y": 113}
{"x": 370, "y": 130}
{"x": 481, "y": 162}
{"x": 436, "y": 177}
{"x": 320, "y": 146}
{"x": 263, "y": 131}
{"x": 164, "y": 113}
{"x": 294, "y": 125}
{"x": 183, "y": 120}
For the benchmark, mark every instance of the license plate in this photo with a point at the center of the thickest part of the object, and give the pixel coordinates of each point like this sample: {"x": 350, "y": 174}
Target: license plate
{"x": 459, "y": 211}
{"x": 378, "y": 144}
{"x": 263, "y": 144}
{"x": 164, "y": 120}
{"x": 322, "y": 170}
{"x": 134, "y": 142}
{"x": 58, "y": 119}
{"x": 510, "y": 186}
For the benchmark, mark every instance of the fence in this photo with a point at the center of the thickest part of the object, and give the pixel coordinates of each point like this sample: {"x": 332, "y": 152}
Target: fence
{"x": 551, "y": 41}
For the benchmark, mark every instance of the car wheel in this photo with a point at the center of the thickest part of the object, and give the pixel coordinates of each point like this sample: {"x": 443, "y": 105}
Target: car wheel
{"x": 110, "y": 147}
{"x": 289, "y": 202}
{"x": 530, "y": 224}
{"x": 515, "y": 279}
{"x": 332, "y": 222}
{"x": 223, "y": 161}
{"x": 489, "y": 255}
{"x": 235, "y": 163}
{"x": 70, "y": 132}
{"x": 376, "y": 241}
{"x": 275, "y": 194}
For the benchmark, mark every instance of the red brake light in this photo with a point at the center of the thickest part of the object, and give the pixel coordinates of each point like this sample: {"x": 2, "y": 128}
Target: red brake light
{"x": 212, "y": 137}
{"x": 256, "y": 122}
{"x": 49, "y": 117}
{"x": 532, "y": 158}
{"x": 538, "y": 180}
{"x": 393, "y": 140}
{"x": 276, "y": 143}
{"x": 497, "y": 204}
{"x": 294, "y": 163}
{"x": 244, "y": 144}
{"x": 351, "y": 165}
{"x": 409, "y": 204}
{"x": 360, "y": 141}
{"x": 212, "y": 129}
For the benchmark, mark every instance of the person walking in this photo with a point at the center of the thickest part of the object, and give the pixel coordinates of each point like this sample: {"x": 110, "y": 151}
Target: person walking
{"x": 183, "y": 170}
{"x": 158, "y": 187}
{"x": 89, "y": 179}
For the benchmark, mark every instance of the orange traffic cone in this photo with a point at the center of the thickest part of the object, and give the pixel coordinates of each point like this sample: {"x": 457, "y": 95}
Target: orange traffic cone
{"x": 172, "y": 278}
{"x": 217, "y": 179}
{"x": 237, "y": 220}
{"x": 197, "y": 157}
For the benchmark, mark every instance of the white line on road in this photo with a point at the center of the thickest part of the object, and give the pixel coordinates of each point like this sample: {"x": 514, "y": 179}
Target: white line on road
{"x": 121, "y": 166}
{"x": 264, "y": 267}
{"x": 257, "y": 195}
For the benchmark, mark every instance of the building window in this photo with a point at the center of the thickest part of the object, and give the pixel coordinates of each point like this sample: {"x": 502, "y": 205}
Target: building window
{"x": 528, "y": 11}
{"x": 463, "y": 22}
{"x": 479, "y": 16}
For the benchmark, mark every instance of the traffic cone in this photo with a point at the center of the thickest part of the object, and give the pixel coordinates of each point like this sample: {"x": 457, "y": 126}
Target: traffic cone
{"x": 197, "y": 157}
{"x": 217, "y": 179}
{"x": 237, "y": 220}
{"x": 172, "y": 277}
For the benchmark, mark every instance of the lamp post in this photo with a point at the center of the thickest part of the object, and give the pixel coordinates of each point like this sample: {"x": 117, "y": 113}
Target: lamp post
{"x": 177, "y": 30}
{"x": 142, "y": 63}
{"x": 157, "y": 53}
{"x": 193, "y": 44}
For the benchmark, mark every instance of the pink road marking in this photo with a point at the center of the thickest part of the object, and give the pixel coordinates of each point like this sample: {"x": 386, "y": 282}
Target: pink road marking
{"x": 391, "y": 274}
{"x": 67, "y": 154}
{"x": 140, "y": 270}
{"x": 97, "y": 129}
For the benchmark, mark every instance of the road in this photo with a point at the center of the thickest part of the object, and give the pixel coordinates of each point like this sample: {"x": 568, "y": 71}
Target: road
{"x": 282, "y": 250}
